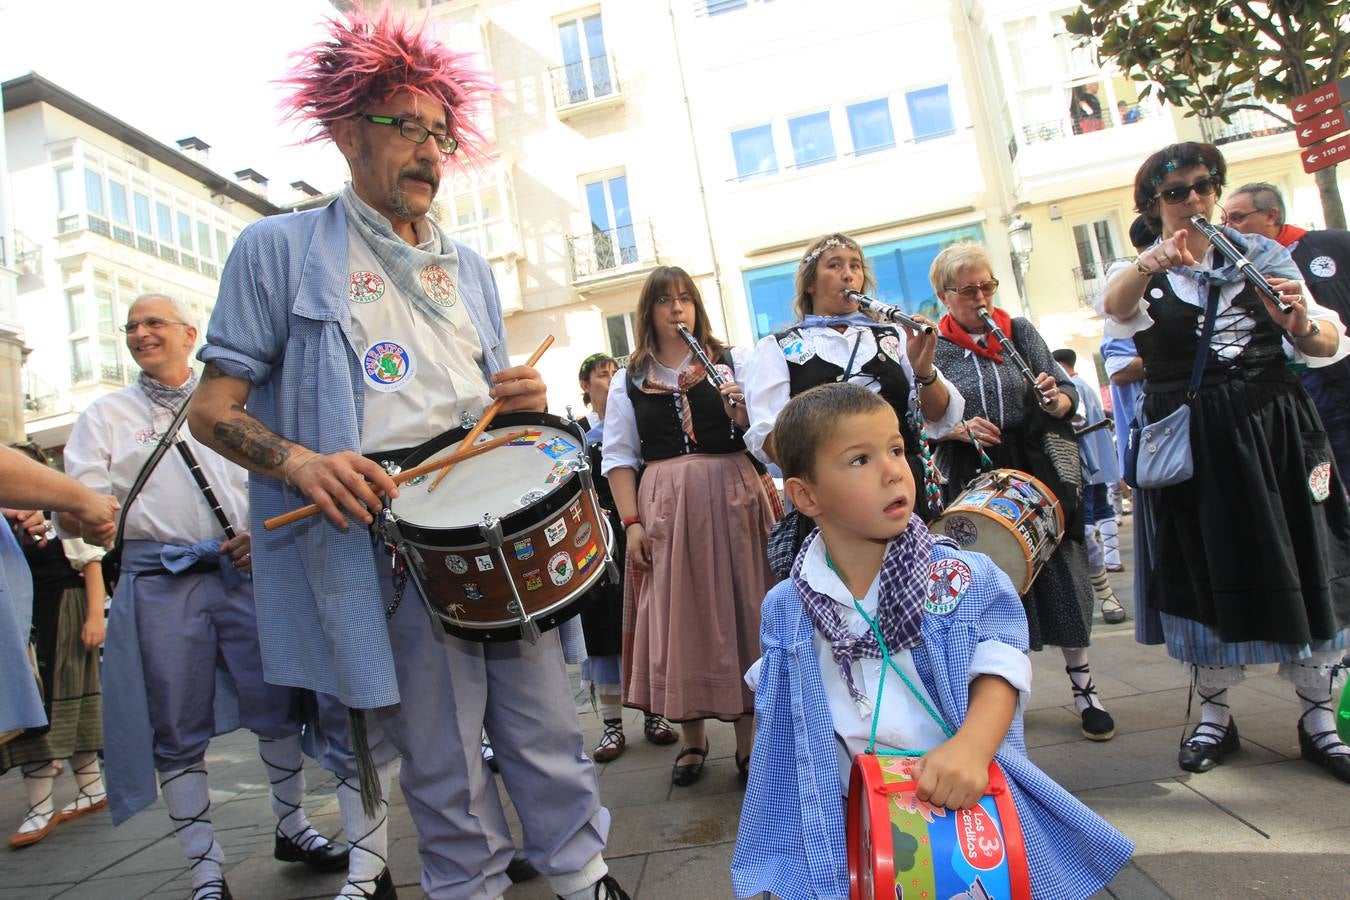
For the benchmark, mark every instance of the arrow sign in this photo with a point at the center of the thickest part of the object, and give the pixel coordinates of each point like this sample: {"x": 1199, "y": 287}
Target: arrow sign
{"x": 1325, "y": 154}
{"x": 1315, "y": 101}
{"x": 1320, "y": 128}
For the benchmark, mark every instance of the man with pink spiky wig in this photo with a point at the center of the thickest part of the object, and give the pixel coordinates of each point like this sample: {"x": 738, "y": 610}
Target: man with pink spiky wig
{"x": 340, "y": 336}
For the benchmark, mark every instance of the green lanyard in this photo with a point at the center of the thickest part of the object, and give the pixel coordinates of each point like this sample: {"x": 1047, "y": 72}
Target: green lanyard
{"x": 889, "y": 663}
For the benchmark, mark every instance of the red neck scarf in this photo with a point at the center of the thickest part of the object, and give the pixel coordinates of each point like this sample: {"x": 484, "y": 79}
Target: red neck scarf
{"x": 1289, "y": 234}
{"x": 949, "y": 329}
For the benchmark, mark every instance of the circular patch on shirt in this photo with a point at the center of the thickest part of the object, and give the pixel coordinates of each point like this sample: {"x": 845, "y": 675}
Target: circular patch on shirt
{"x": 364, "y": 287}
{"x": 795, "y": 348}
{"x": 961, "y": 529}
{"x": 389, "y": 366}
{"x": 890, "y": 345}
{"x": 947, "y": 583}
{"x": 1319, "y": 482}
{"x": 1322, "y": 266}
{"x": 147, "y": 437}
{"x": 1156, "y": 293}
{"x": 560, "y": 569}
{"x": 437, "y": 285}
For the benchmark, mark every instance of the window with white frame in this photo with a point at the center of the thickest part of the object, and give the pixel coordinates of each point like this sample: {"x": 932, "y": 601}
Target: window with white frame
{"x": 1097, "y": 244}
{"x": 930, "y": 112}
{"x": 614, "y": 240}
{"x": 753, "y": 150}
{"x": 586, "y": 69}
{"x": 721, "y": 7}
{"x": 477, "y": 214}
{"x": 812, "y": 139}
{"x": 869, "y": 125}
{"x": 619, "y": 332}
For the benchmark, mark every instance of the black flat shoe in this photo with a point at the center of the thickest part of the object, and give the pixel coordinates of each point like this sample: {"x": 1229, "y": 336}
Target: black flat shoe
{"x": 1337, "y": 764}
{"x": 327, "y": 857}
{"x": 1201, "y": 756}
{"x": 520, "y": 870}
{"x": 743, "y": 767}
{"x": 607, "y": 889}
{"x": 683, "y": 776}
{"x": 383, "y": 890}
{"x": 212, "y": 890}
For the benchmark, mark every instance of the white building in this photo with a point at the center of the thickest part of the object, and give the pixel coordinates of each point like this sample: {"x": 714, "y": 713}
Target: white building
{"x": 102, "y": 212}
{"x": 11, "y": 324}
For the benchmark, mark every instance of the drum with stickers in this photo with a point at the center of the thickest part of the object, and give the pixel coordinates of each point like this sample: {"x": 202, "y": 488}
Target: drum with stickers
{"x": 1009, "y": 516}
{"x": 512, "y": 542}
{"x": 900, "y": 846}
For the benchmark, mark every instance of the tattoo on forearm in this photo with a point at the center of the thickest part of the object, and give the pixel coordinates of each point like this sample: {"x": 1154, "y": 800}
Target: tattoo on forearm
{"x": 211, "y": 370}
{"x": 250, "y": 440}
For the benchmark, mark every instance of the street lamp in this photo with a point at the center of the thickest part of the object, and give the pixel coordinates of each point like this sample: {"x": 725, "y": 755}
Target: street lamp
{"x": 1019, "y": 239}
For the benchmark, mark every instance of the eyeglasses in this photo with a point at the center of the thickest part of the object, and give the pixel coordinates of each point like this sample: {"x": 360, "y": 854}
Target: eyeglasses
{"x": 1237, "y": 218}
{"x": 983, "y": 287}
{"x": 153, "y": 324}
{"x": 417, "y": 132}
{"x": 667, "y": 299}
{"x": 1205, "y": 187}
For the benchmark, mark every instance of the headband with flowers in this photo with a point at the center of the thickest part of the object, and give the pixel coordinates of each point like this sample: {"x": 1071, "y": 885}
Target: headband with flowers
{"x": 830, "y": 244}
{"x": 1173, "y": 164}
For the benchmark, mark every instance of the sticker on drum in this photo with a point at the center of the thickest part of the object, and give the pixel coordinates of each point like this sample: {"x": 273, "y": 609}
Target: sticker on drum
{"x": 484, "y": 563}
{"x": 558, "y": 474}
{"x": 560, "y": 569}
{"x": 582, "y": 536}
{"x": 1008, "y": 509}
{"x": 947, "y": 583}
{"x": 534, "y": 580}
{"x": 1027, "y": 491}
{"x": 556, "y": 447}
{"x": 471, "y": 591}
{"x": 457, "y": 564}
{"x": 416, "y": 480}
{"x": 556, "y": 532}
{"x": 961, "y": 529}
{"x": 529, "y": 498}
{"x": 524, "y": 548}
{"x": 976, "y": 498}
{"x": 587, "y": 559}
{"x": 575, "y": 511}
{"x": 528, "y": 439}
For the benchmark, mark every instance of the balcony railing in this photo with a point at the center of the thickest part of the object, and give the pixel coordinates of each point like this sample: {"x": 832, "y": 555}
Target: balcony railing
{"x": 81, "y": 372}
{"x": 586, "y": 82}
{"x": 1243, "y": 124}
{"x": 74, "y": 222}
{"x": 1055, "y": 129}
{"x": 614, "y": 251}
{"x": 1090, "y": 279}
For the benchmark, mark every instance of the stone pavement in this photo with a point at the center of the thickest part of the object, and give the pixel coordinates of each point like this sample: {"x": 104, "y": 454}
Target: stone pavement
{"x": 1265, "y": 824}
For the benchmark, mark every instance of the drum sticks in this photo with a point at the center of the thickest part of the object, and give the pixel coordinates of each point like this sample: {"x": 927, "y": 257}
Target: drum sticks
{"x": 491, "y": 413}
{"x": 305, "y": 512}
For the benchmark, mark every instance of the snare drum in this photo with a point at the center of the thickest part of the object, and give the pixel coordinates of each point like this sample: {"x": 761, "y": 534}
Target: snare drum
{"x": 1010, "y": 517}
{"x": 899, "y": 846}
{"x": 511, "y": 542}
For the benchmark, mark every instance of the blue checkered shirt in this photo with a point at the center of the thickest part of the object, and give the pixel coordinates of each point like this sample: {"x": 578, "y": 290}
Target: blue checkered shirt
{"x": 791, "y": 838}
{"x": 283, "y": 323}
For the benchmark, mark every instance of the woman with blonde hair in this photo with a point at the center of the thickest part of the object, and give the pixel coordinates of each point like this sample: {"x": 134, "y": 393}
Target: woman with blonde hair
{"x": 697, "y": 526}
{"x": 1008, "y": 427}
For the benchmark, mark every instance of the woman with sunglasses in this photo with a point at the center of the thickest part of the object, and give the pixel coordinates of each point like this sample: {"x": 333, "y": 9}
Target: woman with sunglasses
{"x": 834, "y": 341}
{"x": 697, "y": 526}
{"x": 1252, "y": 553}
{"x": 1007, "y": 427}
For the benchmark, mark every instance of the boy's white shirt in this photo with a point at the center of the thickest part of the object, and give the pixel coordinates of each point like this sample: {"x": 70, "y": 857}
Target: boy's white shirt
{"x": 903, "y": 722}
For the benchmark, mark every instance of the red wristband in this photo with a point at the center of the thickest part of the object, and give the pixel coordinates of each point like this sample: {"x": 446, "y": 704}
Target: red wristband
{"x": 631, "y": 521}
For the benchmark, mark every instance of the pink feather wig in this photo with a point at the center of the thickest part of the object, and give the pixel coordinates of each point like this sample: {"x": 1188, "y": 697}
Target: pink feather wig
{"x": 366, "y": 61}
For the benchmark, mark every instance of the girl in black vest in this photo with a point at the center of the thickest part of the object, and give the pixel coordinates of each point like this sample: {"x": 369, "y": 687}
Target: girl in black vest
{"x": 697, "y": 527}
{"x": 834, "y": 341}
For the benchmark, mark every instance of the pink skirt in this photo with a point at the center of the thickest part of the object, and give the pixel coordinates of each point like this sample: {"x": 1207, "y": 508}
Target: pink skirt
{"x": 691, "y": 623}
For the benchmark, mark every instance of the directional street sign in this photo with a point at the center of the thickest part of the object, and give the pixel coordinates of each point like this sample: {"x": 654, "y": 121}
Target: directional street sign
{"x": 1327, "y": 153}
{"x": 1325, "y": 97}
{"x": 1321, "y": 127}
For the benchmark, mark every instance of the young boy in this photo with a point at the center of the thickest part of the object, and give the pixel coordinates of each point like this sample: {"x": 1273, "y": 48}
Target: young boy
{"x": 951, "y": 621}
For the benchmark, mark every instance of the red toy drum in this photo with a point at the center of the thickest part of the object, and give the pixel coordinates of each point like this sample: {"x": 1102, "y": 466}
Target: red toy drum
{"x": 900, "y": 848}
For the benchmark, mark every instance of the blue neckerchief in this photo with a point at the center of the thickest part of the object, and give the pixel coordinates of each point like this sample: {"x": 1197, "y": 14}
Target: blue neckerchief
{"x": 854, "y": 318}
{"x": 1268, "y": 256}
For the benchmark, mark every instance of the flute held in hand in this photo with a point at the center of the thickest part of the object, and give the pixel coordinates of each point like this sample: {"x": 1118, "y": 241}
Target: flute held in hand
{"x": 1244, "y": 265}
{"x": 1016, "y": 357}
{"x": 713, "y": 375}
{"x": 886, "y": 311}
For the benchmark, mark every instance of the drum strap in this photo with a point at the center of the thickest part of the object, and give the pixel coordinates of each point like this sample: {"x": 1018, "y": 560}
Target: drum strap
{"x": 888, "y": 663}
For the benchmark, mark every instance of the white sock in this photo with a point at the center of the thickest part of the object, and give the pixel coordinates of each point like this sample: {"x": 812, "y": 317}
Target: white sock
{"x": 1110, "y": 532}
{"x": 580, "y": 885}
{"x": 285, "y": 765}
{"x": 610, "y": 712}
{"x": 1080, "y": 675}
{"x": 37, "y": 779}
{"x": 189, "y": 802}
{"x": 368, "y": 837}
{"x": 1313, "y": 682}
{"x": 88, "y": 781}
{"x": 1211, "y": 685}
{"x": 1093, "y": 546}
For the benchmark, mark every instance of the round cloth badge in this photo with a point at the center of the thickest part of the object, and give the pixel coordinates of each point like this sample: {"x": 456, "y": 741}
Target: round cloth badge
{"x": 437, "y": 285}
{"x": 890, "y": 345}
{"x": 947, "y": 583}
{"x": 364, "y": 287}
{"x": 1322, "y": 266}
{"x": 389, "y": 366}
{"x": 1319, "y": 482}
{"x": 1156, "y": 294}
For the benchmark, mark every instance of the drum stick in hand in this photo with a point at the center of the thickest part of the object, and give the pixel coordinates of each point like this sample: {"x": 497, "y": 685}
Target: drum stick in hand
{"x": 305, "y": 512}
{"x": 491, "y": 413}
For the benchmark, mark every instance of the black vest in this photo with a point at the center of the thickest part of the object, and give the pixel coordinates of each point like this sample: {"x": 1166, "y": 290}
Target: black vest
{"x": 658, "y": 421}
{"x": 1324, "y": 259}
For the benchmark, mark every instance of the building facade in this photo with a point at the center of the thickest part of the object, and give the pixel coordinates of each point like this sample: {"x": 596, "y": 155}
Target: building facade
{"x": 102, "y": 213}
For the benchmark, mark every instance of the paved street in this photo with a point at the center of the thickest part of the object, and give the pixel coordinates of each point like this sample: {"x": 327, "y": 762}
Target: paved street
{"x": 1265, "y": 824}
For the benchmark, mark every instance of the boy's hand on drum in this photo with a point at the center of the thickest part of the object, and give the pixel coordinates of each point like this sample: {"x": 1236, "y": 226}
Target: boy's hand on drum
{"x": 520, "y": 389}
{"x": 639, "y": 547}
{"x": 955, "y": 774}
{"x": 342, "y": 484}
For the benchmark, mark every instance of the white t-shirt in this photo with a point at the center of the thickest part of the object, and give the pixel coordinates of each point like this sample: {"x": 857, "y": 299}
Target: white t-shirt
{"x": 420, "y": 375}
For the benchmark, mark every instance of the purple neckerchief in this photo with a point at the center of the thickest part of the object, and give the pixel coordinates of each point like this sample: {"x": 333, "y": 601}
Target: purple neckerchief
{"x": 900, "y": 597}
{"x": 165, "y": 401}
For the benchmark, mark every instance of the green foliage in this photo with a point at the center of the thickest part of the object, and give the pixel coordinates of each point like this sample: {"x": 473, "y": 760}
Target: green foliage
{"x": 1215, "y": 57}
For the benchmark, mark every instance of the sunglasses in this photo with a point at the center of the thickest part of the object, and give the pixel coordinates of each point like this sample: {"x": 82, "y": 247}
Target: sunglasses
{"x": 982, "y": 287}
{"x": 1205, "y": 187}
{"x": 1237, "y": 218}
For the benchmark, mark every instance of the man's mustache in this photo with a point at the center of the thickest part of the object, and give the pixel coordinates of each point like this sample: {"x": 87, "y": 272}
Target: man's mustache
{"x": 426, "y": 174}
